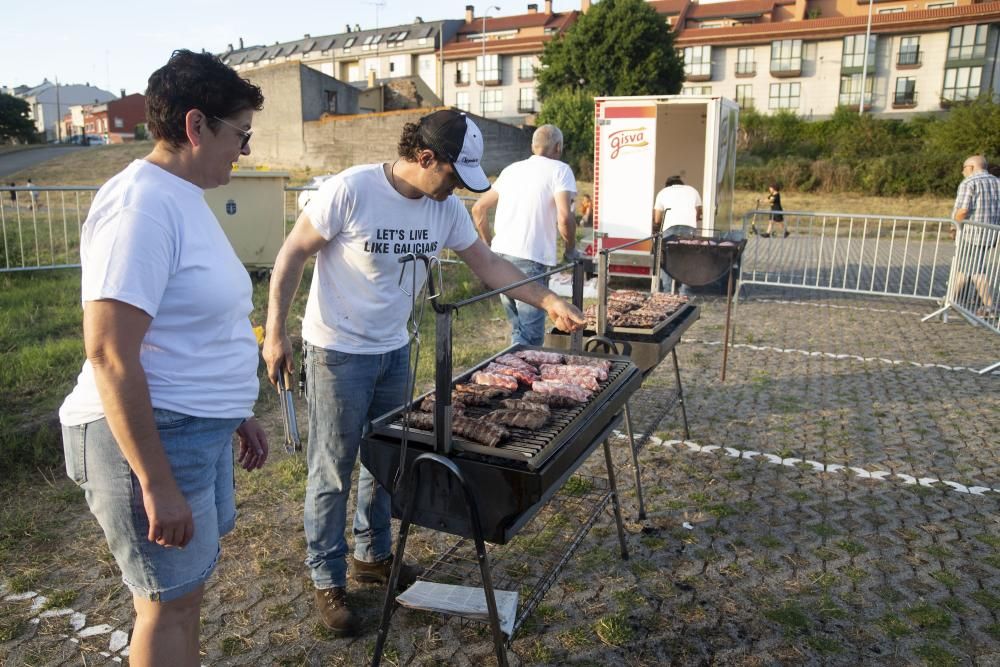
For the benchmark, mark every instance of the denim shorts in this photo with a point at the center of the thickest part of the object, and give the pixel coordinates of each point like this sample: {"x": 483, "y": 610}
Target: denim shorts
{"x": 200, "y": 452}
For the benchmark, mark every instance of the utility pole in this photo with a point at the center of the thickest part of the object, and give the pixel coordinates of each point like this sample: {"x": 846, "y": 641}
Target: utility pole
{"x": 482, "y": 80}
{"x": 58, "y": 115}
{"x": 378, "y": 5}
{"x": 864, "y": 65}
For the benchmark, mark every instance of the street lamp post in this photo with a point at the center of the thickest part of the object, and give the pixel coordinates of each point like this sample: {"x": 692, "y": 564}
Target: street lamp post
{"x": 482, "y": 80}
{"x": 864, "y": 65}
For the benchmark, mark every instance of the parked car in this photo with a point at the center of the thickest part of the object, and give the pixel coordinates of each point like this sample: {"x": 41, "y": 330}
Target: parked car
{"x": 313, "y": 184}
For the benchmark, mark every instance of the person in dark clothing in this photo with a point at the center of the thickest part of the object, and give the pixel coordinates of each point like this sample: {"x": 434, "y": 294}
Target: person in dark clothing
{"x": 774, "y": 199}
{"x": 13, "y": 195}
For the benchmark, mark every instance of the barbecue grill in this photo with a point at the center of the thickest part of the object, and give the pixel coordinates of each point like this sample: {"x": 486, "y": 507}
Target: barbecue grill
{"x": 442, "y": 470}
{"x": 697, "y": 260}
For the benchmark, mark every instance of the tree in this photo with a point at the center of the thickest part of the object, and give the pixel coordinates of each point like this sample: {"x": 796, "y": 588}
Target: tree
{"x": 619, "y": 47}
{"x": 15, "y": 123}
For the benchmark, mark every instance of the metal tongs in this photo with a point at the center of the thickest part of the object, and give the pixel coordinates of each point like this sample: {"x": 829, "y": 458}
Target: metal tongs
{"x": 292, "y": 442}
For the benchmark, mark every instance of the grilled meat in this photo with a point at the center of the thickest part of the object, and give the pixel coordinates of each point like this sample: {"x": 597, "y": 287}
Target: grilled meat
{"x": 521, "y": 404}
{"x": 515, "y": 362}
{"x": 529, "y": 419}
{"x": 495, "y": 380}
{"x": 564, "y": 389}
{"x": 595, "y": 372}
{"x": 527, "y": 377}
{"x": 569, "y": 376}
{"x": 539, "y": 357}
{"x": 468, "y": 393}
{"x": 550, "y": 400}
{"x": 580, "y": 360}
{"x": 486, "y": 433}
{"x": 427, "y": 405}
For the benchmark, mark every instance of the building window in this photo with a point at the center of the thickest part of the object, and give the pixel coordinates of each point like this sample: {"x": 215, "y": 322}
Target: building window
{"x": 854, "y": 52}
{"x": 786, "y": 55}
{"x": 784, "y": 95}
{"x": 744, "y": 96}
{"x": 463, "y": 72}
{"x": 940, "y": 5}
{"x": 526, "y": 100}
{"x": 491, "y": 101}
{"x": 462, "y": 100}
{"x": 967, "y": 42}
{"x": 909, "y": 52}
{"x": 892, "y": 10}
{"x": 698, "y": 62}
{"x": 850, "y": 90}
{"x": 906, "y": 92}
{"x": 526, "y": 68}
{"x": 488, "y": 68}
{"x": 348, "y": 44}
{"x": 961, "y": 83}
{"x": 119, "y": 123}
{"x": 696, "y": 90}
{"x": 746, "y": 65}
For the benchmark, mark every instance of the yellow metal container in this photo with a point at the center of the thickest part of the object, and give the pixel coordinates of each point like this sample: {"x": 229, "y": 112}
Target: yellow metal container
{"x": 252, "y": 213}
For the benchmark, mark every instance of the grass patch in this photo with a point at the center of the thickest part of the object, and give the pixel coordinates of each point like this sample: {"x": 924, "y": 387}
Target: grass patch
{"x": 852, "y": 548}
{"x": 59, "y": 599}
{"x": 823, "y": 645}
{"x": 929, "y": 618}
{"x": 893, "y": 626}
{"x": 614, "y": 630}
{"x": 937, "y": 656}
{"x": 989, "y": 600}
{"x": 790, "y": 617}
{"x": 946, "y": 578}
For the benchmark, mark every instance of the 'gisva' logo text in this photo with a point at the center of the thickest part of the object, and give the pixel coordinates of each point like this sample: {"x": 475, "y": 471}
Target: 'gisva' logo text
{"x": 635, "y": 138}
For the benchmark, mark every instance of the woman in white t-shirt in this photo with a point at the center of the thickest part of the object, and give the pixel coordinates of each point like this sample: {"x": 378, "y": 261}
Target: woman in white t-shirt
{"x": 171, "y": 368}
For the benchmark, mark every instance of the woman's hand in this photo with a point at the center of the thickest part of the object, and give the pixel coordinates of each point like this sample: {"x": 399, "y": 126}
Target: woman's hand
{"x": 171, "y": 523}
{"x": 253, "y": 444}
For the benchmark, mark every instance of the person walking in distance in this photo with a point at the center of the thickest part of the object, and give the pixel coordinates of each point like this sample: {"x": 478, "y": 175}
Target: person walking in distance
{"x": 534, "y": 202}
{"x": 977, "y": 200}
{"x": 777, "y": 217}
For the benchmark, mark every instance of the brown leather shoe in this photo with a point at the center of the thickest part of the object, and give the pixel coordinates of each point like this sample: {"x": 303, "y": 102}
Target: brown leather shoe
{"x": 331, "y": 603}
{"x": 378, "y": 573}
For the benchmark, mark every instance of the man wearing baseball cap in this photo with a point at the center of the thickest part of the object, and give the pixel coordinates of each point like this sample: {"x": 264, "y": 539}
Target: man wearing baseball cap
{"x": 358, "y": 225}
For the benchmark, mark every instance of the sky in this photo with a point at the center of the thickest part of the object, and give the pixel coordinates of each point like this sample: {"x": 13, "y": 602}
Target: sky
{"x": 117, "y": 44}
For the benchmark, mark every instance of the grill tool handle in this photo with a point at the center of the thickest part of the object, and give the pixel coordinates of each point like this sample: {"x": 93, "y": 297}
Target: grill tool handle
{"x": 292, "y": 441}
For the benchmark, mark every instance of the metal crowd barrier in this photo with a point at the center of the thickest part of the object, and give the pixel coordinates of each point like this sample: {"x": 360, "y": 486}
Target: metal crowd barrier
{"x": 40, "y": 226}
{"x": 974, "y": 282}
{"x": 854, "y": 253}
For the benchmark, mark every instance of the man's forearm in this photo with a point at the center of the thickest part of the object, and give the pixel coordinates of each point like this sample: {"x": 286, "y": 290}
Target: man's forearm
{"x": 567, "y": 229}
{"x": 285, "y": 279}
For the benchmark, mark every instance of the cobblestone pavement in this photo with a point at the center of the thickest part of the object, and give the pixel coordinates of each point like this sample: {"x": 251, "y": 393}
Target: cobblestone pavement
{"x": 836, "y": 504}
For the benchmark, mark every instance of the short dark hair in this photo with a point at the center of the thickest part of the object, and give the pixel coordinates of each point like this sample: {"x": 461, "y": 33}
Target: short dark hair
{"x": 673, "y": 180}
{"x": 775, "y": 186}
{"x": 195, "y": 81}
{"x": 411, "y": 143}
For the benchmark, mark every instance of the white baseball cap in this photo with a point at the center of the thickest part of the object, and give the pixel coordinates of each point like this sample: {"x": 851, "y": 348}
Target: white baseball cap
{"x": 453, "y": 136}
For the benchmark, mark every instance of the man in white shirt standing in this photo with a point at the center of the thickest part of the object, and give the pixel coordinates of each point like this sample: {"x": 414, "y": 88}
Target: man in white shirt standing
{"x": 534, "y": 199}
{"x": 677, "y": 204}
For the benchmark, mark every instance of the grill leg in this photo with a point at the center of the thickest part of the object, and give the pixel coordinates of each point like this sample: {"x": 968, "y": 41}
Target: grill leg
{"x": 680, "y": 394}
{"x": 614, "y": 499}
{"x": 411, "y": 487}
{"x": 635, "y": 460}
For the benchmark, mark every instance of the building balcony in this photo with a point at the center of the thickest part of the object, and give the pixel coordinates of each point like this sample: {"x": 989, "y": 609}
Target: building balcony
{"x": 786, "y": 67}
{"x": 698, "y": 73}
{"x": 904, "y": 100}
{"x": 745, "y": 70}
{"x": 908, "y": 59}
{"x": 526, "y": 108}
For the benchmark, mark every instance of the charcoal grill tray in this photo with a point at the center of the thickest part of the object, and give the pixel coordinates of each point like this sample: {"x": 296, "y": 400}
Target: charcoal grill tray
{"x": 525, "y": 447}
{"x": 697, "y": 264}
{"x": 640, "y": 331}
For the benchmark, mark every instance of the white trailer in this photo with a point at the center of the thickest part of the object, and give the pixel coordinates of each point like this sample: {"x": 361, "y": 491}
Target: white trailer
{"x": 638, "y": 143}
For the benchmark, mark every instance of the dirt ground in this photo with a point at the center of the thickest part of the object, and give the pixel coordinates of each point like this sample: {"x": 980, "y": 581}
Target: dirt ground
{"x": 836, "y": 504}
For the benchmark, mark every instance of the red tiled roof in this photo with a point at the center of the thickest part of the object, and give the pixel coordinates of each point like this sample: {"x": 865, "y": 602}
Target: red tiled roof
{"x": 668, "y": 7}
{"x": 533, "y": 44}
{"x": 559, "y": 20}
{"x": 842, "y": 25}
{"x": 729, "y": 9}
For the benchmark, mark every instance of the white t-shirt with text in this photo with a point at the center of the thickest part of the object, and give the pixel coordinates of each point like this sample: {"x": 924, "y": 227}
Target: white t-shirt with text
{"x": 151, "y": 241}
{"x": 355, "y": 302}
{"x": 680, "y": 203}
{"x": 526, "y": 221}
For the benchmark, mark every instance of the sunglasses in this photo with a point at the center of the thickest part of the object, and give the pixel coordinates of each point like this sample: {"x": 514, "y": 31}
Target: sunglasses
{"x": 245, "y": 134}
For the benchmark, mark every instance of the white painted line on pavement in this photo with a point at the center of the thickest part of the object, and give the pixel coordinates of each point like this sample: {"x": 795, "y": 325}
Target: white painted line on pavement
{"x": 816, "y": 466}
{"x": 837, "y": 356}
{"x": 833, "y": 306}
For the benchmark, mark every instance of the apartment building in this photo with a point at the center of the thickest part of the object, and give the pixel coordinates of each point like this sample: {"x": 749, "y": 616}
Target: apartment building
{"x": 489, "y": 66}
{"x": 48, "y": 103}
{"x": 810, "y": 56}
{"x": 359, "y": 56}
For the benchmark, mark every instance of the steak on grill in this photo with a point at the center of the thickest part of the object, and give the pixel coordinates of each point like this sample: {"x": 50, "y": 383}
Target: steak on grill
{"x": 530, "y": 419}
{"x": 495, "y": 380}
{"x": 515, "y": 362}
{"x": 481, "y": 391}
{"x": 539, "y": 357}
{"x": 523, "y": 404}
{"x": 564, "y": 389}
{"x": 427, "y": 405}
{"x": 527, "y": 377}
{"x": 595, "y": 372}
{"x": 486, "y": 433}
{"x": 568, "y": 375}
{"x": 550, "y": 400}
{"x": 580, "y": 360}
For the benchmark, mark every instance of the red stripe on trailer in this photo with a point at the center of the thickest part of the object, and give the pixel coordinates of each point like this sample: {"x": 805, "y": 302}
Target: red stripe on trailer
{"x": 645, "y": 111}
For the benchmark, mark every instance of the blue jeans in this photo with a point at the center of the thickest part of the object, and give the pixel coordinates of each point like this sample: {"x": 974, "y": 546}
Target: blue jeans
{"x": 527, "y": 323}
{"x": 200, "y": 452}
{"x": 346, "y": 391}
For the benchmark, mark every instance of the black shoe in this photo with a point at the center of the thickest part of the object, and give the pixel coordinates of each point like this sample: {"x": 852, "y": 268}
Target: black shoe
{"x": 331, "y": 603}
{"x": 378, "y": 573}
{"x": 787, "y": 233}
{"x": 765, "y": 235}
